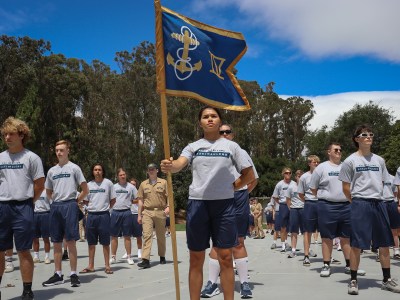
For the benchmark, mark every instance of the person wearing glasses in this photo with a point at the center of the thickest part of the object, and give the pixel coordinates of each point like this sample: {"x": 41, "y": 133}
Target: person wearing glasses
{"x": 279, "y": 195}
{"x": 296, "y": 208}
{"x": 333, "y": 208}
{"x": 219, "y": 168}
{"x": 242, "y": 222}
{"x": 363, "y": 174}
{"x": 310, "y": 214}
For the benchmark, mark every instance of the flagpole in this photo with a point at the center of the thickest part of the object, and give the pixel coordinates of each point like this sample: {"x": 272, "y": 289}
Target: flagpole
{"x": 160, "y": 72}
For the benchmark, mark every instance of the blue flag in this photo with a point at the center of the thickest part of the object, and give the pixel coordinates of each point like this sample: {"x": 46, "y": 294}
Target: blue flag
{"x": 196, "y": 60}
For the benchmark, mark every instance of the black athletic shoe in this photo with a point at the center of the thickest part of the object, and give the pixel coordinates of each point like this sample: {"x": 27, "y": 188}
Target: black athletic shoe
{"x": 65, "y": 256}
{"x": 144, "y": 264}
{"x": 26, "y": 295}
{"x": 75, "y": 282}
{"x": 54, "y": 280}
{"x": 162, "y": 260}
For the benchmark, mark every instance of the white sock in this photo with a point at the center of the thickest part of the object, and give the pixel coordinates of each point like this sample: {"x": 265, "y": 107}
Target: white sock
{"x": 36, "y": 254}
{"x": 59, "y": 273}
{"x": 396, "y": 250}
{"x": 139, "y": 253}
{"x": 213, "y": 270}
{"x": 283, "y": 246}
{"x": 8, "y": 258}
{"x": 274, "y": 242}
{"x": 46, "y": 254}
{"x": 72, "y": 273}
{"x": 242, "y": 268}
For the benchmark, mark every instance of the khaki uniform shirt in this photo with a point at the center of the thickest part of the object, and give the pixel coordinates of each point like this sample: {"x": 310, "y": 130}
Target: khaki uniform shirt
{"x": 154, "y": 195}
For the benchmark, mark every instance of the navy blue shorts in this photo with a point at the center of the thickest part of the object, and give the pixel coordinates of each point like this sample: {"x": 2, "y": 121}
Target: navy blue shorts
{"x": 64, "y": 221}
{"x": 137, "y": 228}
{"x": 242, "y": 212}
{"x": 98, "y": 228}
{"x": 334, "y": 219}
{"x": 296, "y": 220}
{"x": 370, "y": 222}
{"x": 121, "y": 221}
{"x": 215, "y": 219}
{"x": 277, "y": 225}
{"x": 284, "y": 215}
{"x": 251, "y": 220}
{"x": 16, "y": 223}
{"x": 42, "y": 224}
{"x": 268, "y": 218}
{"x": 393, "y": 213}
{"x": 310, "y": 216}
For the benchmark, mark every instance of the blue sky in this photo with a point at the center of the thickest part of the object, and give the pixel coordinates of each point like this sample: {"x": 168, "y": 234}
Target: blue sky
{"x": 310, "y": 48}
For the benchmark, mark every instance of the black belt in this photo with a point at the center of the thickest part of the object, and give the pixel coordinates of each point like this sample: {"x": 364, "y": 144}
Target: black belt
{"x": 333, "y": 202}
{"x": 98, "y": 212}
{"x": 41, "y": 212}
{"x": 122, "y": 210}
{"x": 16, "y": 202}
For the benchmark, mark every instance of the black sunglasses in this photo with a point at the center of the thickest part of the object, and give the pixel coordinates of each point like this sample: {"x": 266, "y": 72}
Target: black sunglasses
{"x": 337, "y": 150}
{"x": 221, "y": 132}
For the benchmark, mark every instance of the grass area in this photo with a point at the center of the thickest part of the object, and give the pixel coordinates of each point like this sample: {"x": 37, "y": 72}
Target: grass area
{"x": 180, "y": 227}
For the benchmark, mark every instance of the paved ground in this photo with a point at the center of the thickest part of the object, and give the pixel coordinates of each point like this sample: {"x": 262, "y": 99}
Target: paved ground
{"x": 273, "y": 275}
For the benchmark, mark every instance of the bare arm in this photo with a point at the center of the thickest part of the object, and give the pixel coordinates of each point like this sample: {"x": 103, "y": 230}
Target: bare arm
{"x": 112, "y": 202}
{"x": 346, "y": 190}
{"x": 173, "y": 166}
{"x": 140, "y": 210}
{"x": 38, "y": 187}
{"x": 84, "y": 192}
{"x": 288, "y": 202}
{"x": 244, "y": 179}
{"x": 301, "y": 196}
{"x": 252, "y": 185}
{"x": 49, "y": 194}
{"x": 314, "y": 191}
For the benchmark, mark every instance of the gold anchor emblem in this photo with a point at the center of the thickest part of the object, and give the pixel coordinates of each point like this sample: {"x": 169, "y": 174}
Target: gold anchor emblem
{"x": 183, "y": 64}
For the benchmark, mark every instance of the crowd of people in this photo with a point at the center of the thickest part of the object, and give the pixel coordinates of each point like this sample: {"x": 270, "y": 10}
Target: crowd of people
{"x": 354, "y": 201}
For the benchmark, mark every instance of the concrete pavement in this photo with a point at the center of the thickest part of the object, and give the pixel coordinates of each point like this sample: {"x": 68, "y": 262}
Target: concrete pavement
{"x": 272, "y": 275}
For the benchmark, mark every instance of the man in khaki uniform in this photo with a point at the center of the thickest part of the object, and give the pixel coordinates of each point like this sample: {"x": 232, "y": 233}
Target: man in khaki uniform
{"x": 257, "y": 212}
{"x": 153, "y": 209}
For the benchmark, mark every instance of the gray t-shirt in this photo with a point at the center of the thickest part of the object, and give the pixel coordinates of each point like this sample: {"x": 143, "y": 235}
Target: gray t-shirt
{"x": 304, "y": 187}
{"x": 100, "y": 195}
{"x": 389, "y": 189}
{"x": 254, "y": 168}
{"x": 292, "y": 193}
{"x": 274, "y": 204}
{"x": 325, "y": 179}
{"x": 213, "y": 165}
{"x": 280, "y": 191}
{"x": 125, "y": 194}
{"x": 18, "y": 171}
{"x": 365, "y": 174}
{"x": 64, "y": 181}
{"x": 42, "y": 204}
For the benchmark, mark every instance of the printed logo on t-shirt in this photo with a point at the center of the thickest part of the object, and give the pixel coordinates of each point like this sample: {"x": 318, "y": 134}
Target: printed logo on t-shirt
{"x": 213, "y": 153}
{"x": 121, "y": 191}
{"x": 367, "y": 168}
{"x": 11, "y": 166}
{"x": 97, "y": 191}
{"x": 333, "y": 173}
{"x": 63, "y": 175}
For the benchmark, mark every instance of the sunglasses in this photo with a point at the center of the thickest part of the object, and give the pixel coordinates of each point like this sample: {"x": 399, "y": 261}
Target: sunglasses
{"x": 365, "y": 135}
{"x": 221, "y": 132}
{"x": 337, "y": 150}
{"x": 287, "y": 173}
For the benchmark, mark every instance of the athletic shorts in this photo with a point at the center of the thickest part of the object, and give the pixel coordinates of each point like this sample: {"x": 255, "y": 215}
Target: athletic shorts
{"x": 277, "y": 221}
{"x": 137, "y": 228}
{"x": 284, "y": 215}
{"x": 64, "y": 221}
{"x": 215, "y": 219}
{"x": 268, "y": 218}
{"x": 121, "y": 221}
{"x": 242, "y": 212}
{"x": 16, "y": 223}
{"x": 296, "y": 220}
{"x": 334, "y": 219}
{"x": 98, "y": 228}
{"x": 251, "y": 220}
{"x": 310, "y": 216}
{"x": 393, "y": 213}
{"x": 370, "y": 222}
{"x": 42, "y": 224}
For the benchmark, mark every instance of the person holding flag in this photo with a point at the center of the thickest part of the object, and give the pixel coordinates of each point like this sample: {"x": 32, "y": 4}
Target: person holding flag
{"x": 215, "y": 162}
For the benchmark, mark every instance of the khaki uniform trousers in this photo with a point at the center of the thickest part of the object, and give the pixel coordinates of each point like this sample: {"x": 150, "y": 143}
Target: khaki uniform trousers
{"x": 156, "y": 218}
{"x": 258, "y": 226}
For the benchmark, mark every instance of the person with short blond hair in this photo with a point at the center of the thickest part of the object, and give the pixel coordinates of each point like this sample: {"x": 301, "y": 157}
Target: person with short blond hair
{"x": 21, "y": 183}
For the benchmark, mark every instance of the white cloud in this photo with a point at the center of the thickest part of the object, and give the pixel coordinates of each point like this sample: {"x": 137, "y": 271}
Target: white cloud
{"x": 325, "y": 28}
{"x": 329, "y": 107}
{"x": 10, "y": 21}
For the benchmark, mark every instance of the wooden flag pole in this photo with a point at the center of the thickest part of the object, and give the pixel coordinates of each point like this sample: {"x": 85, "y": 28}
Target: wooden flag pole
{"x": 164, "y": 117}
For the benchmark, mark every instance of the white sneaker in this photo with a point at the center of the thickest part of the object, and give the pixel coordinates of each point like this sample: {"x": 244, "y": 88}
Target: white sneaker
{"x": 139, "y": 253}
{"x": 47, "y": 260}
{"x": 9, "y": 267}
{"x": 130, "y": 261}
{"x": 36, "y": 260}
{"x": 125, "y": 256}
{"x": 113, "y": 260}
